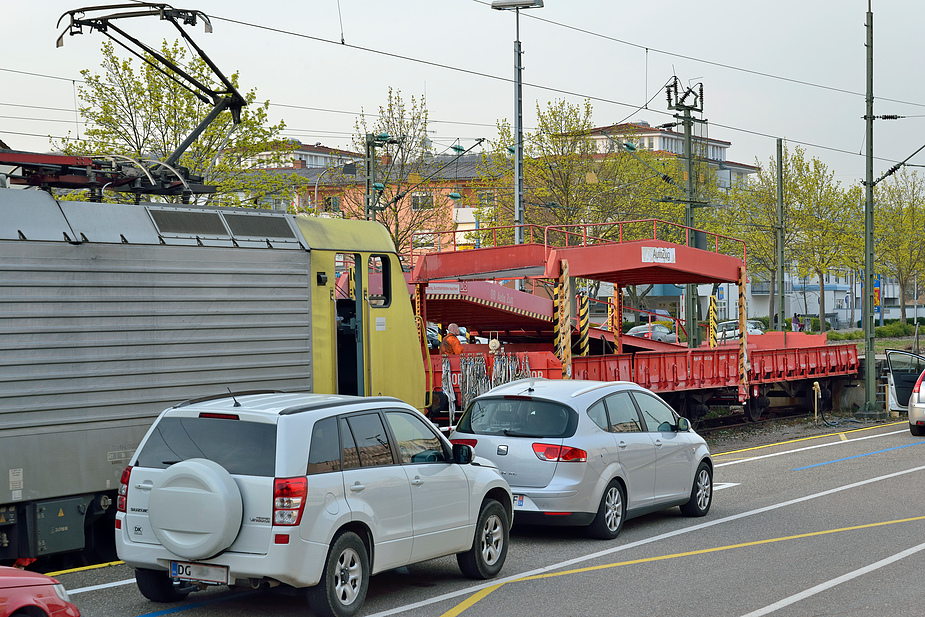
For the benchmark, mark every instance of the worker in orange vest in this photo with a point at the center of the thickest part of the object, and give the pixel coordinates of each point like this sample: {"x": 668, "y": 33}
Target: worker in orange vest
{"x": 451, "y": 345}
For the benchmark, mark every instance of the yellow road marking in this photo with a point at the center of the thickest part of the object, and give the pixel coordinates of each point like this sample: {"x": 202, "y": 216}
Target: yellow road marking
{"x": 81, "y": 569}
{"x": 781, "y": 443}
{"x": 477, "y": 597}
{"x": 843, "y": 438}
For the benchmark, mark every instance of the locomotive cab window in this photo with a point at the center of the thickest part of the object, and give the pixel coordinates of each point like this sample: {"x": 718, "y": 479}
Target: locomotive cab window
{"x": 380, "y": 289}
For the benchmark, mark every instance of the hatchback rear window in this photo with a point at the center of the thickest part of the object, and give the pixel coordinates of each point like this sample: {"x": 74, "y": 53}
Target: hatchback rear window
{"x": 520, "y": 417}
{"x": 242, "y": 448}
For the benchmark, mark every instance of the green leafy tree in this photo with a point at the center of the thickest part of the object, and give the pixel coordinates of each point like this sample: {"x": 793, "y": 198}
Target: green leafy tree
{"x": 144, "y": 115}
{"x": 900, "y": 216}
{"x": 414, "y": 199}
{"x": 825, "y": 221}
{"x": 752, "y": 217}
{"x": 569, "y": 180}
{"x": 821, "y": 222}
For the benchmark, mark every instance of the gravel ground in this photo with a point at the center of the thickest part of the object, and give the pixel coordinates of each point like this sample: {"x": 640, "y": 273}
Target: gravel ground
{"x": 774, "y": 431}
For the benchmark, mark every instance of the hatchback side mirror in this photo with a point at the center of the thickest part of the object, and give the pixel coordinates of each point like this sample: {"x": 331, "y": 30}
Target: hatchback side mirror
{"x": 684, "y": 425}
{"x": 462, "y": 453}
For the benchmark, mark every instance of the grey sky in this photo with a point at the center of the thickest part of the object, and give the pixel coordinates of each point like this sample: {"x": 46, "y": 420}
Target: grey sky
{"x": 587, "y": 48}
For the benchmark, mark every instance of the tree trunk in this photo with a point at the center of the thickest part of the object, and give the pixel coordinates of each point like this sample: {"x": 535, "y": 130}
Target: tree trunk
{"x": 821, "y": 302}
{"x": 772, "y": 304}
{"x": 902, "y": 300}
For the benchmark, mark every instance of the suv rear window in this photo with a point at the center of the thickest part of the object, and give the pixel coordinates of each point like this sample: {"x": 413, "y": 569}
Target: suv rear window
{"x": 519, "y": 417}
{"x": 242, "y": 448}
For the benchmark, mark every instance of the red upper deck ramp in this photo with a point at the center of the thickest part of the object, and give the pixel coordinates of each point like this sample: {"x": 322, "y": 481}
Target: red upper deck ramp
{"x": 622, "y": 253}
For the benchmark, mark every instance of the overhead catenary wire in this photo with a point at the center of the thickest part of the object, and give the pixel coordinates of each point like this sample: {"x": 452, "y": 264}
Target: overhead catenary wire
{"x": 538, "y": 86}
{"x": 563, "y": 91}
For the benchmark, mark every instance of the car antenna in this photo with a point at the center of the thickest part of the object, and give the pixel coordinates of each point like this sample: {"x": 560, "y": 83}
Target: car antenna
{"x": 236, "y": 403}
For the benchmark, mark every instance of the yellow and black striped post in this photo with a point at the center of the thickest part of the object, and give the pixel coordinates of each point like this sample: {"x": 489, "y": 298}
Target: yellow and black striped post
{"x": 565, "y": 320}
{"x": 712, "y": 322}
{"x": 584, "y": 322}
{"x": 744, "y": 366}
{"x": 616, "y": 317}
{"x": 556, "y": 293}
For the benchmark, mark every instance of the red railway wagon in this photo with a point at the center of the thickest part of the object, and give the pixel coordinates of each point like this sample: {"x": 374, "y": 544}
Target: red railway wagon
{"x": 693, "y": 380}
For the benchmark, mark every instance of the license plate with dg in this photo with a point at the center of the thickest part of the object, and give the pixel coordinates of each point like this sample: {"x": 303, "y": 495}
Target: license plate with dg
{"x": 199, "y": 572}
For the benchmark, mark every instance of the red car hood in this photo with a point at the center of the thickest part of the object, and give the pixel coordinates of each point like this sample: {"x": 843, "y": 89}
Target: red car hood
{"x": 14, "y": 577}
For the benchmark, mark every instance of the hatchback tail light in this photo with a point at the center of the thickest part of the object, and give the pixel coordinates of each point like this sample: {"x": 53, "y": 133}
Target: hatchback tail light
{"x": 123, "y": 489}
{"x": 565, "y": 454}
{"x": 918, "y": 384}
{"x": 466, "y": 442}
{"x": 289, "y": 500}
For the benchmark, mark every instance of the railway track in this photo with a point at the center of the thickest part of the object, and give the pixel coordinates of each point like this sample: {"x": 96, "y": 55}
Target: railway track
{"x": 734, "y": 420}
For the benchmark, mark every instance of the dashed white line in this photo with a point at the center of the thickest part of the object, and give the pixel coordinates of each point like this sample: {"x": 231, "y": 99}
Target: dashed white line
{"x": 623, "y": 547}
{"x": 821, "y": 445}
{"x": 770, "y": 608}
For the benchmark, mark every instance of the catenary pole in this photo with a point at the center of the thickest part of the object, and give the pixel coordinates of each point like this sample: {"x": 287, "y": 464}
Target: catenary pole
{"x": 870, "y": 359}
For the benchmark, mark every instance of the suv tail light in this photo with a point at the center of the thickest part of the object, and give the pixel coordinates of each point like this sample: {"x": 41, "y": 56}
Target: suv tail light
{"x": 565, "y": 454}
{"x": 123, "y": 489}
{"x": 289, "y": 500}
{"x": 466, "y": 442}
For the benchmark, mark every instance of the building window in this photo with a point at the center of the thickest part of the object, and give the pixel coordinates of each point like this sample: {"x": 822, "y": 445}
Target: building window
{"x": 332, "y": 203}
{"x": 422, "y": 200}
{"x": 486, "y": 199}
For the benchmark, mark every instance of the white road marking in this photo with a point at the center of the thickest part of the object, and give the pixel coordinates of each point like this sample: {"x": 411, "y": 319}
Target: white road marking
{"x": 718, "y": 486}
{"x": 835, "y": 581}
{"x": 671, "y": 534}
{"x": 821, "y": 445}
{"x": 72, "y": 592}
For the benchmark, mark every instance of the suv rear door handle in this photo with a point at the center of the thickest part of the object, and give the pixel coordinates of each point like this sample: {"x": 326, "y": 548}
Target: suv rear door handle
{"x": 147, "y": 485}
{"x": 357, "y": 487}
{"x": 417, "y": 481}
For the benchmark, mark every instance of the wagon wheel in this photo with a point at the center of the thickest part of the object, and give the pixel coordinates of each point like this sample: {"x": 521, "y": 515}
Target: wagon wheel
{"x": 752, "y": 410}
{"x": 695, "y": 412}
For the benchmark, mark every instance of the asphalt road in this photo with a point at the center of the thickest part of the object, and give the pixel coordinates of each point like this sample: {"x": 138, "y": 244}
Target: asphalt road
{"x": 827, "y": 525}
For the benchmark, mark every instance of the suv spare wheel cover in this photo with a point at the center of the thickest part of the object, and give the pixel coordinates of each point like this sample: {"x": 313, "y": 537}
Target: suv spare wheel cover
{"x": 195, "y": 509}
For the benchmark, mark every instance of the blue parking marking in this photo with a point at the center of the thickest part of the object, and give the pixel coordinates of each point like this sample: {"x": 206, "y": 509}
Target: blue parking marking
{"x": 848, "y": 458}
{"x": 186, "y": 607}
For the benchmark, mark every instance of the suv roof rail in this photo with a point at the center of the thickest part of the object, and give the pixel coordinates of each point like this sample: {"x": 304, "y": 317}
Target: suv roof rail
{"x": 327, "y": 404}
{"x": 228, "y": 394}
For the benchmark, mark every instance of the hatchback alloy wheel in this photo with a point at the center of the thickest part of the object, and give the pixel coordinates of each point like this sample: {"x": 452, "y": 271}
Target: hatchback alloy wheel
{"x": 609, "y": 519}
{"x": 613, "y": 508}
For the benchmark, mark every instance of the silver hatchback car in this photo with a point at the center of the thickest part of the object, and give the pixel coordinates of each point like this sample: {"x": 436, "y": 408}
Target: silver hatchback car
{"x": 589, "y": 453}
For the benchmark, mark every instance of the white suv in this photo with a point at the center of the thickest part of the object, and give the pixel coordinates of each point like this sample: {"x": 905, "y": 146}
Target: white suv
{"x": 305, "y": 490}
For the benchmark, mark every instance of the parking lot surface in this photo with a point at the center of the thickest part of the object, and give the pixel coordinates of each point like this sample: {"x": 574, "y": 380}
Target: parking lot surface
{"x": 818, "y": 524}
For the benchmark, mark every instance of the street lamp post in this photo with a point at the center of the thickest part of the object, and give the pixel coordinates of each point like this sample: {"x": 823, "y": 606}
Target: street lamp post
{"x": 516, "y": 5}
{"x": 349, "y": 169}
{"x": 315, "y": 202}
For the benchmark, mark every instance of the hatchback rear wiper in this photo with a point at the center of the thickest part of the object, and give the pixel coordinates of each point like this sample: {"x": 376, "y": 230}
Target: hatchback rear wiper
{"x": 511, "y": 433}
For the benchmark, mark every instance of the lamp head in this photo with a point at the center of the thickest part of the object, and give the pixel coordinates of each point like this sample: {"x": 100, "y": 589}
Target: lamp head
{"x": 507, "y": 5}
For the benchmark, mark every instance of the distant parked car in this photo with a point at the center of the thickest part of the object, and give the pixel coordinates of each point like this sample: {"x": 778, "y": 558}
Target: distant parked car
{"x": 655, "y": 332}
{"x": 433, "y": 337}
{"x": 589, "y": 453}
{"x": 656, "y": 315}
{"x": 30, "y": 594}
{"x": 729, "y": 330}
